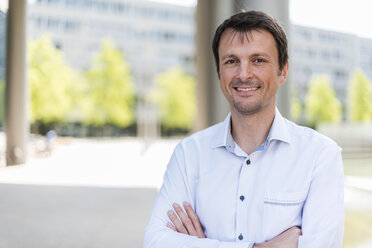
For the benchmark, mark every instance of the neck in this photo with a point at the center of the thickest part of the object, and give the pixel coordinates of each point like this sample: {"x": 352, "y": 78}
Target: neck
{"x": 251, "y": 131}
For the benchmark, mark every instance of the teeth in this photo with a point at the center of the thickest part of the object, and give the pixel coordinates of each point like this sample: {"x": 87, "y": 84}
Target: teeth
{"x": 247, "y": 89}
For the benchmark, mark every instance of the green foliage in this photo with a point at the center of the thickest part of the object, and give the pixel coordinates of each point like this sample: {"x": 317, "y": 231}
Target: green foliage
{"x": 175, "y": 98}
{"x": 360, "y": 102}
{"x": 110, "y": 94}
{"x": 50, "y": 80}
{"x": 80, "y": 98}
{"x": 321, "y": 103}
{"x": 296, "y": 108}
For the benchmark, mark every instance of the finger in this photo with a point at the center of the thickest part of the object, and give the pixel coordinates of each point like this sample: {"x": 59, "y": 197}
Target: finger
{"x": 169, "y": 225}
{"x": 185, "y": 219}
{"x": 299, "y": 231}
{"x": 176, "y": 222}
{"x": 194, "y": 219}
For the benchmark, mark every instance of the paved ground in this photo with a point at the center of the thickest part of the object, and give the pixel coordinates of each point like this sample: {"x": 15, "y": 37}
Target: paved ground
{"x": 99, "y": 194}
{"x": 65, "y": 216}
{"x": 94, "y": 194}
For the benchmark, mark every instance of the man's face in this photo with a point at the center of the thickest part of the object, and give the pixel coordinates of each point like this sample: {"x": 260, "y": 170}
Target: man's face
{"x": 249, "y": 70}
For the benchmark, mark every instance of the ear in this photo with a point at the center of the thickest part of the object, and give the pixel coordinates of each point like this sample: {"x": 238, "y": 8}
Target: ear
{"x": 284, "y": 73}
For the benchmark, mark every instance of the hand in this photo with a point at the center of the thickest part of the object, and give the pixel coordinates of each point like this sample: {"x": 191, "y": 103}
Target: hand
{"x": 189, "y": 223}
{"x": 287, "y": 239}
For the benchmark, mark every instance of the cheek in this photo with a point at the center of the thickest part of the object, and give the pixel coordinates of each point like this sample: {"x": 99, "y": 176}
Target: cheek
{"x": 225, "y": 88}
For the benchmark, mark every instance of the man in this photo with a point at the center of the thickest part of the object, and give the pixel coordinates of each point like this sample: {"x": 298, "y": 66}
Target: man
{"x": 256, "y": 179}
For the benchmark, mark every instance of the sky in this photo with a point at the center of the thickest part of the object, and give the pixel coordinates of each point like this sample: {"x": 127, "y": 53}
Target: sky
{"x": 347, "y": 16}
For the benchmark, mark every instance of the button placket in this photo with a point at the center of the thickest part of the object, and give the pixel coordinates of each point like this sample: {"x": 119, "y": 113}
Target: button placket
{"x": 240, "y": 237}
{"x": 242, "y": 198}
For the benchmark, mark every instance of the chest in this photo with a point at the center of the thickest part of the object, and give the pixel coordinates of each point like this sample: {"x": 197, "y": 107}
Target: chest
{"x": 260, "y": 198}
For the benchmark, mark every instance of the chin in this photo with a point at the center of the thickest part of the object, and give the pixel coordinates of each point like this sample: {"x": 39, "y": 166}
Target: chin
{"x": 247, "y": 110}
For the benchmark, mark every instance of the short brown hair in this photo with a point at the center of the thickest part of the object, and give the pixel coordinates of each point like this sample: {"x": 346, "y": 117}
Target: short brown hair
{"x": 253, "y": 20}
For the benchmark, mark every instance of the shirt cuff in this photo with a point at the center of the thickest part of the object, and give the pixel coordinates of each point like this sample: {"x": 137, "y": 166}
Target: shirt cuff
{"x": 251, "y": 245}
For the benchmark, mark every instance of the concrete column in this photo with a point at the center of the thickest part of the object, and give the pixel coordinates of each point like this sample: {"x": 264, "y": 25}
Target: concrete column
{"x": 279, "y": 9}
{"x": 212, "y": 105}
{"x": 16, "y": 124}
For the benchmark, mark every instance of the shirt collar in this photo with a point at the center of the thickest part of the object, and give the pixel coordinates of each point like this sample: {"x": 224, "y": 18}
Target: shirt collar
{"x": 278, "y": 131}
{"x": 223, "y": 135}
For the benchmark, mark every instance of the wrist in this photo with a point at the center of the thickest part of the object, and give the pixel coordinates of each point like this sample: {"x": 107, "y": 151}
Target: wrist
{"x": 259, "y": 245}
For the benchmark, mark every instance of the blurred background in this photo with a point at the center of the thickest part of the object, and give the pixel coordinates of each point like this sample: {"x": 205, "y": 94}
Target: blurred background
{"x": 95, "y": 95}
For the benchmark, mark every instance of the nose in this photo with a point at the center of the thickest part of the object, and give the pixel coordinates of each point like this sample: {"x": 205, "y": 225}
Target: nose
{"x": 245, "y": 71}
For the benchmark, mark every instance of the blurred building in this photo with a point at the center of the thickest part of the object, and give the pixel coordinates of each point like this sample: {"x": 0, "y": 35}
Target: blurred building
{"x": 317, "y": 51}
{"x": 2, "y": 43}
{"x": 364, "y": 59}
{"x": 153, "y": 37}
{"x": 156, "y": 36}
{"x": 149, "y": 33}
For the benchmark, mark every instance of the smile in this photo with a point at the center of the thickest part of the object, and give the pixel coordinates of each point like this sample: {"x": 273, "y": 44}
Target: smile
{"x": 247, "y": 89}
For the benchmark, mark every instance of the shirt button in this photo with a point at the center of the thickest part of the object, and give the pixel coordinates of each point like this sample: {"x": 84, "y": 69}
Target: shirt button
{"x": 242, "y": 197}
{"x": 248, "y": 162}
{"x": 240, "y": 237}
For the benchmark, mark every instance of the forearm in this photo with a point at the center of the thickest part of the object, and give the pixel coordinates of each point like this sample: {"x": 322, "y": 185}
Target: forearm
{"x": 287, "y": 239}
{"x": 166, "y": 238}
{"x": 328, "y": 238}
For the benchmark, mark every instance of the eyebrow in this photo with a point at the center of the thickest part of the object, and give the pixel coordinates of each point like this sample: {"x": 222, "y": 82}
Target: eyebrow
{"x": 228, "y": 56}
{"x": 253, "y": 55}
{"x": 261, "y": 54}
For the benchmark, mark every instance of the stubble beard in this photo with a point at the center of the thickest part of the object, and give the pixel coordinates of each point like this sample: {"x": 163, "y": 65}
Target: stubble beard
{"x": 243, "y": 108}
{"x": 249, "y": 109}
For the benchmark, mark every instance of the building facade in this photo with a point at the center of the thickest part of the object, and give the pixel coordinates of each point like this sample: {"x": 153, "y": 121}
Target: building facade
{"x": 156, "y": 36}
{"x": 364, "y": 56}
{"x": 152, "y": 36}
{"x": 317, "y": 51}
{"x": 2, "y": 44}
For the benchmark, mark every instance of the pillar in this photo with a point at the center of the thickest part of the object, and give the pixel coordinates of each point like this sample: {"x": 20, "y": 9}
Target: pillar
{"x": 16, "y": 125}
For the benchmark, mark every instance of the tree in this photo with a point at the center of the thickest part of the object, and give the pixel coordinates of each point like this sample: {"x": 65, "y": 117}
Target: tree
{"x": 175, "y": 98}
{"x": 110, "y": 90}
{"x": 50, "y": 80}
{"x": 321, "y": 103}
{"x": 296, "y": 107}
{"x": 360, "y": 102}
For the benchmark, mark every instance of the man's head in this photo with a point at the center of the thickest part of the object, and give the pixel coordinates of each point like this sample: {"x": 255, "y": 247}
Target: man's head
{"x": 246, "y": 22}
{"x": 252, "y": 61}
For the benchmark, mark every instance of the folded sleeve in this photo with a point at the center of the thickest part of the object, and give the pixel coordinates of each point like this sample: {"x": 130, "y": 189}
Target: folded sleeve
{"x": 178, "y": 186}
{"x": 323, "y": 212}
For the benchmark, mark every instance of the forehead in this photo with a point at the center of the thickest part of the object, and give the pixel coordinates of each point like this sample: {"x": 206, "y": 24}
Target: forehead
{"x": 259, "y": 39}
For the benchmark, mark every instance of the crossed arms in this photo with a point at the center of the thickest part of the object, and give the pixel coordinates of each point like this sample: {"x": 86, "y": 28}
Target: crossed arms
{"x": 188, "y": 223}
{"x": 322, "y": 213}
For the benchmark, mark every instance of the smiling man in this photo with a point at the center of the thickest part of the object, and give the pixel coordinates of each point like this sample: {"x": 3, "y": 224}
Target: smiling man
{"x": 256, "y": 179}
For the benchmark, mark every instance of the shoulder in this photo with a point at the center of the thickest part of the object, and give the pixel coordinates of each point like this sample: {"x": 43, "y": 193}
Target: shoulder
{"x": 202, "y": 140}
{"x": 305, "y": 136}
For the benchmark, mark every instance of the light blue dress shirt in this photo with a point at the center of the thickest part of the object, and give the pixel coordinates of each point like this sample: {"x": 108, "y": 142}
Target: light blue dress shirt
{"x": 294, "y": 179}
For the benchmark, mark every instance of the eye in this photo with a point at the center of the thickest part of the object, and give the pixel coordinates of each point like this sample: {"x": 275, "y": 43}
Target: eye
{"x": 230, "y": 61}
{"x": 259, "y": 60}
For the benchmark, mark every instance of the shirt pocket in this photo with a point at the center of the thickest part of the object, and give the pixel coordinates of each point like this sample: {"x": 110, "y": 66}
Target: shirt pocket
{"x": 282, "y": 210}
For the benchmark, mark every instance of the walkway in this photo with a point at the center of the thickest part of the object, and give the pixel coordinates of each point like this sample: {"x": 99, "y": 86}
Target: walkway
{"x": 93, "y": 194}
{"x": 99, "y": 193}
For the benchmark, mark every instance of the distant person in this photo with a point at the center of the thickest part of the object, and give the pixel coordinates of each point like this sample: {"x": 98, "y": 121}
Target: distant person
{"x": 256, "y": 179}
{"x": 50, "y": 138}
